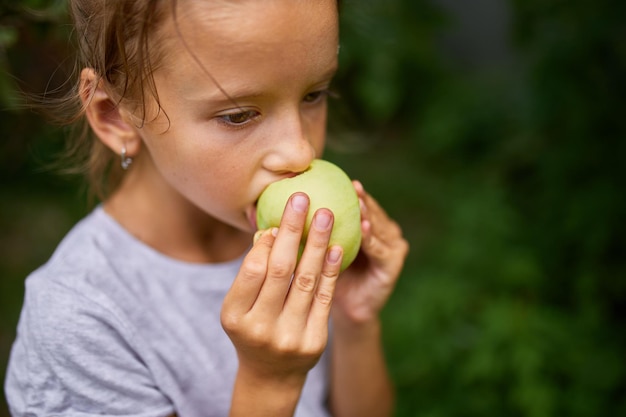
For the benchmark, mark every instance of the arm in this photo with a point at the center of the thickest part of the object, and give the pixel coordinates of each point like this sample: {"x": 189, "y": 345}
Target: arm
{"x": 360, "y": 384}
{"x": 359, "y": 371}
{"x": 279, "y": 325}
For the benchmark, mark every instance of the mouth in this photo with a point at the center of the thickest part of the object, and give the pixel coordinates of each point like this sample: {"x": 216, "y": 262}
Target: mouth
{"x": 251, "y": 214}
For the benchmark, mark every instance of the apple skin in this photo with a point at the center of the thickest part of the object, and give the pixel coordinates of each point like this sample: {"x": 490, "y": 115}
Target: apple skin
{"x": 327, "y": 186}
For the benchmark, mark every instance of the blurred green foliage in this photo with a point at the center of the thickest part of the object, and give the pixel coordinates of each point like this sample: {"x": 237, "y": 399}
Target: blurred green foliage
{"x": 508, "y": 182}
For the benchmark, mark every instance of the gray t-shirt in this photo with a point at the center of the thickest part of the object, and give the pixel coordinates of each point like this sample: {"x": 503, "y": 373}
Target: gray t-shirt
{"x": 111, "y": 327}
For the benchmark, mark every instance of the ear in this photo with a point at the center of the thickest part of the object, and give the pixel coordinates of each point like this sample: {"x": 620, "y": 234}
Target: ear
{"x": 108, "y": 121}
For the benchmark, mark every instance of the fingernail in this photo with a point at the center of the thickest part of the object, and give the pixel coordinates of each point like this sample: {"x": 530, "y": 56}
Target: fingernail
{"x": 322, "y": 220}
{"x": 259, "y": 233}
{"x": 299, "y": 203}
{"x": 257, "y": 236}
{"x": 334, "y": 254}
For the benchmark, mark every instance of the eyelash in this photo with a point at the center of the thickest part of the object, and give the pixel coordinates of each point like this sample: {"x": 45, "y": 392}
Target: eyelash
{"x": 317, "y": 95}
{"x": 249, "y": 116}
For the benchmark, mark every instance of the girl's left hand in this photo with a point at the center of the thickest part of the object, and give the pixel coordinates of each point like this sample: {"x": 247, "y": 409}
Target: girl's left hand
{"x": 364, "y": 288}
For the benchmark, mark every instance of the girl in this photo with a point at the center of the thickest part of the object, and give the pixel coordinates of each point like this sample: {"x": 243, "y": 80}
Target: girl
{"x": 157, "y": 303}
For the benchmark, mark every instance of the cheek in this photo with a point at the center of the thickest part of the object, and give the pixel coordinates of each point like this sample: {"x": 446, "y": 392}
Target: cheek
{"x": 318, "y": 146}
{"x": 318, "y": 134}
{"x": 178, "y": 162}
{"x": 314, "y": 123}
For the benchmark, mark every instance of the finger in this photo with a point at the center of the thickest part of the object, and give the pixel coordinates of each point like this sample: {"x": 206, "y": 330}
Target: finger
{"x": 249, "y": 280}
{"x": 385, "y": 248}
{"x": 369, "y": 205}
{"x": 384, "y": 230}
{"x": 382, "y": 239}
{"x": 322, "y": 301}
{"x": 374, "y": 219}
{"x": 306, "y": 277}
{"x": 358, "y": 187}
{"x": 257, "y": 236}
{"x": 284, "y": 255}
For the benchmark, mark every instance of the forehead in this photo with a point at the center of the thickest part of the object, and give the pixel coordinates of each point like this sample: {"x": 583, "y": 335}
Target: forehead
{"x": 280, "y": 38}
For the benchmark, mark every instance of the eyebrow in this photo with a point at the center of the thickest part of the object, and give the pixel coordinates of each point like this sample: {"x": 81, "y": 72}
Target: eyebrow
{"x": 226, "y": 95}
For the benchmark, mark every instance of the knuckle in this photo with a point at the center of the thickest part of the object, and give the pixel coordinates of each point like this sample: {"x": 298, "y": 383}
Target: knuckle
{"x": 233, "y": 325}
{"x": 229, "y": 321}
{"x": 305, "y": 282}
{"x": 318, "y": 241}
{"x": 394, "y": 229}
{"x": 295, "y": 228}
{"x": 314, "y": 347}
{"x": 258, "y": 334}
{"x": 324, "y": 296}
{"x": 287, "y": 345}
{"x": 281, "y": 269}
{"x": 311, "y": 353}
{"x": 292, "y": 347}
{"x": 378, "y": 250}
{"x": 254, "y": 268}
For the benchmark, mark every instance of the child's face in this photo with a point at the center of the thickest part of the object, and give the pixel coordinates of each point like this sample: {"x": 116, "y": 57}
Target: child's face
{"x": 275, "y": 59}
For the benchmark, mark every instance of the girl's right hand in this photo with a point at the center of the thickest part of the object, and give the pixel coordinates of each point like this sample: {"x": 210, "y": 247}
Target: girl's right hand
{"x": 277, "y": 310}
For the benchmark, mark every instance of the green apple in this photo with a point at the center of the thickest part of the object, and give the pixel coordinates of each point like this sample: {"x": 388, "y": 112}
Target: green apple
{"x": 327, "y": 187}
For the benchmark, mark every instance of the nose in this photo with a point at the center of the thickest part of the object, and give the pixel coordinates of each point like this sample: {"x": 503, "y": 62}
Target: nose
{"x": 291, "y": 148}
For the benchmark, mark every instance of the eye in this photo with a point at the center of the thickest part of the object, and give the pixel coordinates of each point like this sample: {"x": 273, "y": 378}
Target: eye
{"x": 316, "y": 96}
{"x": 238, "y": 119}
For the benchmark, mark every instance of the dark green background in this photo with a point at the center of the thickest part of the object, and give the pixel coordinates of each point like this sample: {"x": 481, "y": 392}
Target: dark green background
{"x": 493, "y": 131}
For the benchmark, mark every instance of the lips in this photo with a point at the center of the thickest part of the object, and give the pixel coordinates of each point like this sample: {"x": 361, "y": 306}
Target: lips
{"x": 251, "y": 213}
{"x": 252, "y": 217}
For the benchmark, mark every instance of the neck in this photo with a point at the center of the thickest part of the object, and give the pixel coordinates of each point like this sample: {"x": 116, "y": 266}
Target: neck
{"x": 174, "y": 226}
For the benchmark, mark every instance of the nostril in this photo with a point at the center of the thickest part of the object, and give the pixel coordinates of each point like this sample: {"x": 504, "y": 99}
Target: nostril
{"x": 295, "y": 174}
{"x": 291, "y": 174}
{"x": 289, "y": 156}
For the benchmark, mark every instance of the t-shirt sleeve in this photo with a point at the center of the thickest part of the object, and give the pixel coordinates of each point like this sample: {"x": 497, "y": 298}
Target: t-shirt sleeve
{"x": 74, "y": 356}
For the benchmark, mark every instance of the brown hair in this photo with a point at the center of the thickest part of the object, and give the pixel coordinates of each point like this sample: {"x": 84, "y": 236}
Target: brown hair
{"x": 117, "y": 39}
{"x": 113, "y": 38}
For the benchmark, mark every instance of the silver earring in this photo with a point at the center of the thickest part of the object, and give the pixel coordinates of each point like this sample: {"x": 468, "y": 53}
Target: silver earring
{"x": 126, "y": 160}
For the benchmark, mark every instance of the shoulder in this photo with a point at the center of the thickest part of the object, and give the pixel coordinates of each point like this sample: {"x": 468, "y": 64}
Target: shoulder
{"x": 66, "y": 320}
{"x": 73, "y": 282}
{"x": 75, "y": 346}
{"x": 74, "y": 350}
{"x": 72, "y": 302}
{"x": 84, "y": 246}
